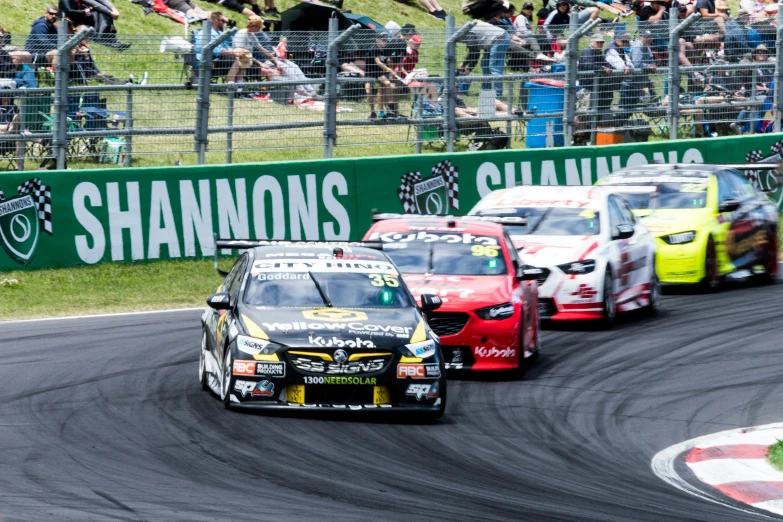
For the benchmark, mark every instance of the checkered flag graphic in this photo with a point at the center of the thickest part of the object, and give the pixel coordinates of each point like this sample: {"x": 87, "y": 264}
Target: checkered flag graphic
{"x": 754, "y": 156}
{"x": 2, "y": 195}
{"x": 405, "y": 192}
{"x": 451, "y": 175}
{"x": 42, "y": 196}
{"x": 777, "y": 148}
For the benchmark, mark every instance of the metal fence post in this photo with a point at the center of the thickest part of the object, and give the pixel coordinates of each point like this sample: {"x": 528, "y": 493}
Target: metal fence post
{"x": 230, "y": 124}
{"x": 129, "y": 126}
{"x": 594, "y": 108}
{"x": 675, "y": 30}
{"x": 569, "y": 93}
{"x": 204, "y": 83}
{"x": 778, "y": 94}
{"x": 450, "y": 73}
{"x": 510, "y": 105}
{"x": 330, "y": 88}
{"x": 752, "y": 93}
{"x": 20, "y": 144}
{"x": 332, "y": 64}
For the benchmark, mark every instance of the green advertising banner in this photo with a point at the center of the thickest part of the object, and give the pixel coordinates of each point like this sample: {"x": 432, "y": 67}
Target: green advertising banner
{"x": 65, "y": 218}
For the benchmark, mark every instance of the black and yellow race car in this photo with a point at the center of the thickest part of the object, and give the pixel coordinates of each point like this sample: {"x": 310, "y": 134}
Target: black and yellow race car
{"x": 319, "y": 325}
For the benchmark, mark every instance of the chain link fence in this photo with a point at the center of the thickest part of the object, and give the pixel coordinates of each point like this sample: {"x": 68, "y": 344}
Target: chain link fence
{"x": 255, "y": 96}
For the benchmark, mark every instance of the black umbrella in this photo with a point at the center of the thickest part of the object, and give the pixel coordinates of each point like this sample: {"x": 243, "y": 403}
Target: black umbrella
{"x": 312, "y": 17}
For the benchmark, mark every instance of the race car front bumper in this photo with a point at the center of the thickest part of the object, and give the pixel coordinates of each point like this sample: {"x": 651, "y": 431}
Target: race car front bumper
{"x": 483, "y": 345}
{"x": 564, "y": 297}
{"x": 403, "y": 383}
{"x": 679, "y": 264}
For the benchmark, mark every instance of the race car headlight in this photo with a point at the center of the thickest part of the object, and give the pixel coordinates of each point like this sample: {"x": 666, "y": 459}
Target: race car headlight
{"x": 680, "y": 238}
{"x": 578, "y": 267}
{"x": 423, "y": 349}
{"x": 253, "y": 346}
{"x": 497, "y": 312}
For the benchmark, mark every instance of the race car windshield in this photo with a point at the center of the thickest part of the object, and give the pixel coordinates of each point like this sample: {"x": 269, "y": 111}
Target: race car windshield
{"x": 672, "y": 196}
{"x": 552, "y": 221}
{"x": 637, "y": 200}
{"x": 343, "y": 290}
{"x": 448, "y": 258}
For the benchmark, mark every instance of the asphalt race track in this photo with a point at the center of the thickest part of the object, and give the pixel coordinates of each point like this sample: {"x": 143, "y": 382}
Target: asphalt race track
{"x": 103, "y": 418}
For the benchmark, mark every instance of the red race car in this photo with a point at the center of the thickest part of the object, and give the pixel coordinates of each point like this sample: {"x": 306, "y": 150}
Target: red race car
{"x": 489, "y": 317}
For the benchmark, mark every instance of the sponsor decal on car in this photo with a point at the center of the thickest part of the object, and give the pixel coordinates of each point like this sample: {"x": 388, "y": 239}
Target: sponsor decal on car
{"x": 265, "y": 369}
{"x": 418, "y": 371}
{"x": 278, "y": 276}
{"x": 361, "y": 381}
{"x": 306, "y": 364}
{"x": 322, "y": 265}
{"x": 426, "y": 237}
{"x": 420, "y": 391}
{"x": 351, "y": 328}
{"x": 254, "y": 389}
{"x": 340, "y": 343}
{"x": 584, "y": 293}
{"x": 334, "y": 314}
{"x": 483, "y": 351}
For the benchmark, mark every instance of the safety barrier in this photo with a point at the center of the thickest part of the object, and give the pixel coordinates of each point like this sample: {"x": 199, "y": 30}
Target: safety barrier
{"x": 71, "y": 218}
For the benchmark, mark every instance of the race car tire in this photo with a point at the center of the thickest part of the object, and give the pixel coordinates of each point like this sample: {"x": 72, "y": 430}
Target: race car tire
{"x": 225, "y": 380}
{"x": 435, "y": 415}
{"x": 534, "y": 357}
{"x": 771, "y": 262}
{"x": 711, "y": 280}
{"x": 202, "y": 362}
{"x": 609, "y": 304}
{"x": 522, "y": 362}
{"x": 655, "y": 291}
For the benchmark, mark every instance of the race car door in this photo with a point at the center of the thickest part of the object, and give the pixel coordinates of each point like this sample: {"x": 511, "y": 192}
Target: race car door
{"x": 737, "y": 208}
{"x": 631, "y": 249}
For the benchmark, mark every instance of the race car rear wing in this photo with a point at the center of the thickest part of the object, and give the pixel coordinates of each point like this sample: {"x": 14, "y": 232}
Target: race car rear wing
{"x": 510, "y": 220}
{"x": 245, "y": 244}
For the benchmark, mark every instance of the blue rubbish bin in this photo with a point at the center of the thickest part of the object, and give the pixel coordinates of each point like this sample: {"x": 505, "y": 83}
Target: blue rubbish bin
{"x": 544, "y": 99}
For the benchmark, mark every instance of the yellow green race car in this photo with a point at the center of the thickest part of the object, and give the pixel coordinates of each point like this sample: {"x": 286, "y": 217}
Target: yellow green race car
{"x": 710, "y": 222}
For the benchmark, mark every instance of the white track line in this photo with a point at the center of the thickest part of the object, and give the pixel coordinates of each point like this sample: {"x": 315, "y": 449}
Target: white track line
{"x": 663, "y": 465}
{"x": 97, "y": 316}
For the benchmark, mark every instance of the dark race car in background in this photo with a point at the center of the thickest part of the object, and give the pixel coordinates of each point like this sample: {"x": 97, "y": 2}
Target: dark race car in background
{"x": 319, "y": 325}
{"x": 489, "y": 317}
{"x": 709, "y": 221}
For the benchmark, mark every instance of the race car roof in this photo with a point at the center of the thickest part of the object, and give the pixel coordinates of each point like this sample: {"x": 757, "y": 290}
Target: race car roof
{"x": 318, "y": 251}
{"x": 320, "y": 258}
{"x": 662, "y": 173}
{"x": 543, "y": 196}
{"x": 437, "y": 224}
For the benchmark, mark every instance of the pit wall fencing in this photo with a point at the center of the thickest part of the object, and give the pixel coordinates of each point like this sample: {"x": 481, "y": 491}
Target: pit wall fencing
{"x": 53, "y": 219}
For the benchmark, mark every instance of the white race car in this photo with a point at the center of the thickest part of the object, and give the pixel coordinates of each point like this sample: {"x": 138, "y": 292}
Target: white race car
{"x": 595, "y": 258}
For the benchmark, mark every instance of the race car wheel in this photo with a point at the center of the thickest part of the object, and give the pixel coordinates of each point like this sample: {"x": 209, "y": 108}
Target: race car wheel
{"x": 609, "y": 305}
{"x": 771, "y": 263}
{"x": 655, "y": 291}
{"x": 202, "y": 362}
{"x": 710, "y": 281}
{"x": 225, "y": 381}
{"x": 534, "y": 357}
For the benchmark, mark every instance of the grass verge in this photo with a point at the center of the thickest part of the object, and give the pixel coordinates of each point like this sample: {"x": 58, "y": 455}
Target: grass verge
{"x": 775, "y": 455}
{"x": 106, "y": 288}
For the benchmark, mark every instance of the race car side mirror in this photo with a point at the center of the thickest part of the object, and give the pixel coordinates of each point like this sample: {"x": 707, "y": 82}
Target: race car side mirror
{"x": 529, "y": 273}
{"x": 728, "y": 205}
{"x": 622, "y": 232}
{"x": 430, "y": 302}
{"x": 219, "y": 301}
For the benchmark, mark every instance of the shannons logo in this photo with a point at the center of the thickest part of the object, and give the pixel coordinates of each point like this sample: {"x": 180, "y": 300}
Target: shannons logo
{"x": 22, "y": 216}
{"x": 767, "y": 180}
{"x": 438, "y": 194}
{"x": 334, "y": 342}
